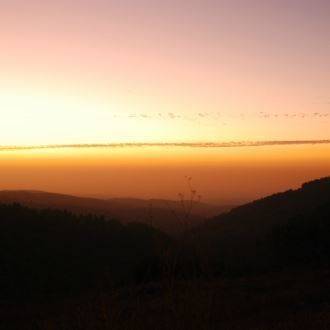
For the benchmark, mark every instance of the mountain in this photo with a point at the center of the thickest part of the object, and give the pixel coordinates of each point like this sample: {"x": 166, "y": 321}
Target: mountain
{"x": 82, "y": 271}
{"x": 237, "y": 237}
{"x": 259, "y": 216}
{"x": 163, "y": 214}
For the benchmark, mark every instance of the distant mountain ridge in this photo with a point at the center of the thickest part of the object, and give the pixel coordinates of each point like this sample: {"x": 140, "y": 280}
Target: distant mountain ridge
{"x": 162, "y": 214}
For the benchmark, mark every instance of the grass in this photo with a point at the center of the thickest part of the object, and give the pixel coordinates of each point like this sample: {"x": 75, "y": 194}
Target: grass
{"x": 286, "y": 300}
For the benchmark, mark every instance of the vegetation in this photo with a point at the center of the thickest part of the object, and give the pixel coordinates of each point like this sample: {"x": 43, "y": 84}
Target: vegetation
{"x": 263, "y": 265}
{"x": 304, "y": 241}
{"x": 45, "y": 252}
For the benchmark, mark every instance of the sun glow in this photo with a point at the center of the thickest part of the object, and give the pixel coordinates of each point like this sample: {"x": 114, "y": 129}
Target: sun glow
{"x": 34, "y": 118}
{"x": 38, "y": 116}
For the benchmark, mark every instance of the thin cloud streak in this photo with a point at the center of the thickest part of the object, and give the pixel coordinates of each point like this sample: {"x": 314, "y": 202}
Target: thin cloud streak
{"x": 171, "y": 144}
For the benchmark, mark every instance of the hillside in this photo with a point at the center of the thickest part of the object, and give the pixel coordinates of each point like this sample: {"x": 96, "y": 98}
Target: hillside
{"x": 237, "y": 237}
{"x": 258, "y": 217}
{"x": 162, "y": 214}
{"x": 90, "y": 273}
{"x": 303, "y": 241}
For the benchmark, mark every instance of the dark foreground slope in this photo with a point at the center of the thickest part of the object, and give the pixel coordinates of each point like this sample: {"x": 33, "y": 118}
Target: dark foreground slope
{"x": 60, "y": 271}
{"x": 45, "y": 253}
{"x": 296, "y": 300}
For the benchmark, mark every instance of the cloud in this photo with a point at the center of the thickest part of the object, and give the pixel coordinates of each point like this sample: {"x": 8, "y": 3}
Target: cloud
{"x": 232, "y": 144}
{"x": 204, "y": 116}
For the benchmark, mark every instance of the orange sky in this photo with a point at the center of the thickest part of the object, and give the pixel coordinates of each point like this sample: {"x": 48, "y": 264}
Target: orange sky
{"x": 106, "y": 71}
{"x": 219, "y": 174}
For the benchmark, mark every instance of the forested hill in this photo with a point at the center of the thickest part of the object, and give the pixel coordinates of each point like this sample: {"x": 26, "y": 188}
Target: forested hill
{"x": 45, "y": 252}
{"x": 262, "y": 215}
{"x": 251, "y": 236}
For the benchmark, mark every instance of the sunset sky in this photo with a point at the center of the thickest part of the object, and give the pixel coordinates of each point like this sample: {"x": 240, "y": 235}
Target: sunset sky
{"x": 99, "y": 71}
{"x": 149, "y": 71}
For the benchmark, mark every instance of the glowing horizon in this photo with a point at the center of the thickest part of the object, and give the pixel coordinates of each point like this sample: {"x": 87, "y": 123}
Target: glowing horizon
{"x": 219, "y": 174}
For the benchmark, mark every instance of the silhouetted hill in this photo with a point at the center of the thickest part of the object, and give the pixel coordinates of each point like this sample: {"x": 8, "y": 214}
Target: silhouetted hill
{"x": 85, "y": 272}
{"x": 162, "y": 214}
{"x": 235, "y": 237}
{"x": 259, "y": 216}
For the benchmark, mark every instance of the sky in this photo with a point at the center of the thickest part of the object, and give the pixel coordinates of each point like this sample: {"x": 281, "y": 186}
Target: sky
{"x": 103, "y": 71}
{"x": 221, "y": 175}
{"x": 223, "y": 91}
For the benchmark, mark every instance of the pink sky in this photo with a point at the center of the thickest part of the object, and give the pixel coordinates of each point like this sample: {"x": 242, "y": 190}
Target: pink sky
{"x": 103, "y": 71}
{"x": 160, "y": 71}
